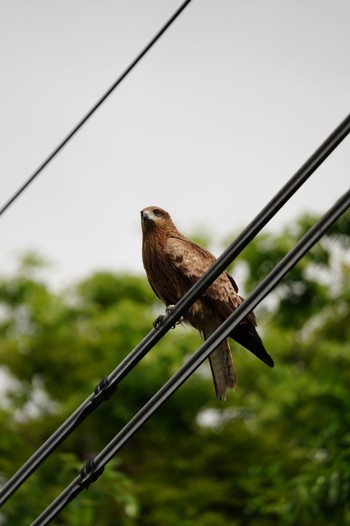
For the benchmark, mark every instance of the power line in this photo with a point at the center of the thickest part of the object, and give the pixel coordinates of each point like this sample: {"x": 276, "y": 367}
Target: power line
{"x": 94, "y": 468}
{"x": 109, "y": 384}
{"x": 93, "y": 109}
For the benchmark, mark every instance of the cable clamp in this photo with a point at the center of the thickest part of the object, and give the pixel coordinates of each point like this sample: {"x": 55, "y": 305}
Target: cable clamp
{"x": 89, "y": 474}
{"x": 105, "y": 389}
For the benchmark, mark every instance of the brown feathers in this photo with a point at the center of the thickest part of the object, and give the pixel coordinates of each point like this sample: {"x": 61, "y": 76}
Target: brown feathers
{"x": 173, "y": 264}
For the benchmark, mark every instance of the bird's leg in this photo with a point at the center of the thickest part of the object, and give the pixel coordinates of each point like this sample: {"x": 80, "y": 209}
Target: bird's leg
{"x": 169, "y": 309}
{"x": 158, "y": 321}
{"x": 160, "y": 318}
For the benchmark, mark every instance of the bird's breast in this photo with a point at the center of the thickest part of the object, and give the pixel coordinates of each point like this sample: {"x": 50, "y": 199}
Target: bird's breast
{"x": 160, "y": 272}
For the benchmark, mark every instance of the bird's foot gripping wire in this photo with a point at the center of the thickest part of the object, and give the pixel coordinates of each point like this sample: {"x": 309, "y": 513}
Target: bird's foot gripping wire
{"x": 159, "y": 320}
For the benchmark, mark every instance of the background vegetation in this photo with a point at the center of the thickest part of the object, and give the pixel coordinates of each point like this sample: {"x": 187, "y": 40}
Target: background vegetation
{"x": 276, "y": 453}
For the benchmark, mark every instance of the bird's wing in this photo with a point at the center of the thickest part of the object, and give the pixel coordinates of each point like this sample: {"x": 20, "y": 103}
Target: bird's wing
{"x": 191, "y": 261}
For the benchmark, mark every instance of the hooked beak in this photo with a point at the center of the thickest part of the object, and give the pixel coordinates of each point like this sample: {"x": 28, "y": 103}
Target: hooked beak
{"x": 144, "y": 215}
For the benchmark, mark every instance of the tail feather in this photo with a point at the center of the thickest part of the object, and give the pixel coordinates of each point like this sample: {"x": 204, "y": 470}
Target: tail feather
{"x": 246, "y": 334}
{"x": 223, "y": 370}
{"x": 222, "y": 367}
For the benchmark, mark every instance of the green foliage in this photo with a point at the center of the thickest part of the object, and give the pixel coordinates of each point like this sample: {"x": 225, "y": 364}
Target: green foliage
{"x": 276, "y": 453}
{"x": 306, "y": 288}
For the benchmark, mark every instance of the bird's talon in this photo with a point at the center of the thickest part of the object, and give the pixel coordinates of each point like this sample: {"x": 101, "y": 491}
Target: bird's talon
{"x": 169, "y": 310}
{"x": 158, "y": 321}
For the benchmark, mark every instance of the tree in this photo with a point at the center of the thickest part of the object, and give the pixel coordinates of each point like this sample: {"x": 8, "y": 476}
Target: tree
{"x": 276, "y": 453}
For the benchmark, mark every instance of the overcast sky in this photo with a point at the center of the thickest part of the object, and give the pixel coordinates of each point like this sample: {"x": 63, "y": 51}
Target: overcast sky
{"x": 217, "y": 117}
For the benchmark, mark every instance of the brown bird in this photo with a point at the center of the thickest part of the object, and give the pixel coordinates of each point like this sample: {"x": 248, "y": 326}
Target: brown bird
{"x": 173, "y": 264}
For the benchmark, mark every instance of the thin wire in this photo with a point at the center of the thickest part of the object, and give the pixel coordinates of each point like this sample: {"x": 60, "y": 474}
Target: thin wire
{"x": 95, "y": 467}
{"x": 110, "y": 383}
{"x": 94, "y": 108}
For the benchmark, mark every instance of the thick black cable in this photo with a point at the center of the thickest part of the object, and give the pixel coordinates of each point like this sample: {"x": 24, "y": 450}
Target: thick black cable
{"x": 108, "y": 385}
{"x": 94, "y": 108}
{"x": 95, "y": 466}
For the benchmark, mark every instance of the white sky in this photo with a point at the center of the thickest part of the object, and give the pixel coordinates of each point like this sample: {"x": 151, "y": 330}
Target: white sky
{"x": 223, "y": 110}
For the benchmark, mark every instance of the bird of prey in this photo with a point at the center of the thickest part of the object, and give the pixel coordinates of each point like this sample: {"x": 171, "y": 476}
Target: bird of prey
{"x": 173, "y": 264}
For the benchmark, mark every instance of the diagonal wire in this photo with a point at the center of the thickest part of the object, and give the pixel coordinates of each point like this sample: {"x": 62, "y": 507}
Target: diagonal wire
{"x": 94, "y": 468}
{"x": 109, "y": 384}
{"x": 94, "y": 108}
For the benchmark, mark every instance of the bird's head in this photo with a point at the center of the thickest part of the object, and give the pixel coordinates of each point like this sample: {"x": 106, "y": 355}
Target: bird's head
{"x": 154, "y": 217}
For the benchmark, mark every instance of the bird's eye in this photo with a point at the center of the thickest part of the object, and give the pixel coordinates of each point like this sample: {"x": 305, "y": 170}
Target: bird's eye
{"x": 156, "y": 212}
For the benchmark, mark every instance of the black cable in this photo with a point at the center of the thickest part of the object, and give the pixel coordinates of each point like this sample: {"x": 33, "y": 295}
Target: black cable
{"x": 109, "y": 384}
{"x": 95, "y": 466}
{"x": 94, "y": 108}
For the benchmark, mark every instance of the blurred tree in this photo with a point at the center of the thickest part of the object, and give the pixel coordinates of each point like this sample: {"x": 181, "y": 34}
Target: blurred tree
{"x": 278, "y": 452}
